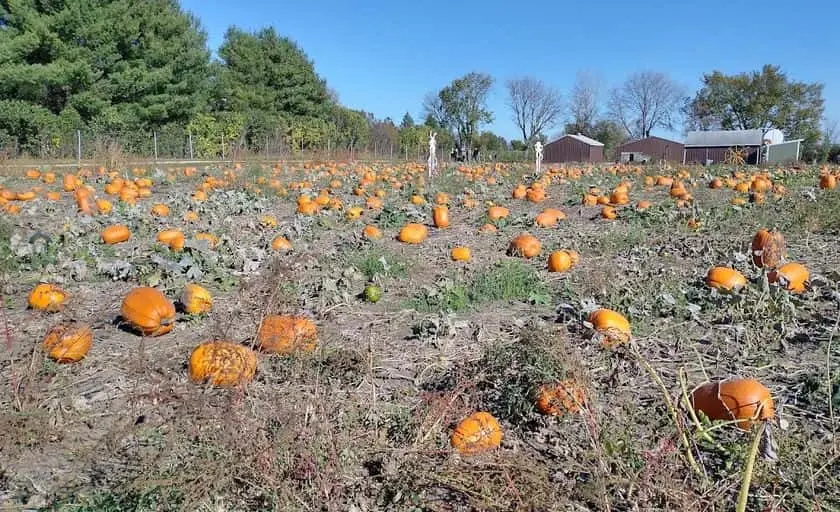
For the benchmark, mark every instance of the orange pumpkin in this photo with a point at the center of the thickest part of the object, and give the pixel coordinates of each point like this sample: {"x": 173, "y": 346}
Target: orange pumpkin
{"x": 173, "y": 238}
{"x": 476, "y": 433}
{"x": 68, "y": 342}
{"x": 611, "y": 325}
{"x": 725, "y": 279}
{"x": 525, "y": 245}
{"x": 284, "y": 334}
{"x": 828, "y": 181}
{"x": 413, "y": 233}
{"x": 148, "y": 311}
{"x": 608, "y": 212}
{"x": 441, "y": 216}
{"x": 160, "y": 210}
{"x": 497, "y": 212}
{"x": 461, "y": 254}
{"x": 559, "y": 261}
{"x": 196, "y": 299}
{"x": 793, "y": 276}
{"x": 372, "y": 232}
{"x": 115, "y": 234}
{"x": 281, "y": 243}
{"x": 47, "y": 297}
{"x": 745, "y": 400}
{"x": 222, "y": 364}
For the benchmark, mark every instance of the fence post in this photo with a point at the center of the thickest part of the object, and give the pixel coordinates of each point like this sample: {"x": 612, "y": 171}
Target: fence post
{"x": 154, "y": 136}
{"x": 223, "y": 146}
{"x": 79, "y": 148}
{"x": 189, "y": 134}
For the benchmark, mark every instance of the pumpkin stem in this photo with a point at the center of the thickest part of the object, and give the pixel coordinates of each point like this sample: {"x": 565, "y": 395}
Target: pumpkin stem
{"x": 671, "y": 409}
{"x": 744, "y": 494}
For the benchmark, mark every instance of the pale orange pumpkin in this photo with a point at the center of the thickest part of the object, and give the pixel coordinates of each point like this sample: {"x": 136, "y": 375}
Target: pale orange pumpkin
{"x": 525, "y": 245}
{"x": 68, "y": 342}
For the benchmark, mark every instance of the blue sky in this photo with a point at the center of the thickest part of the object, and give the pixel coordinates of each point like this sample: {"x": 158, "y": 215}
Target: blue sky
{"x": 383, "y": 57}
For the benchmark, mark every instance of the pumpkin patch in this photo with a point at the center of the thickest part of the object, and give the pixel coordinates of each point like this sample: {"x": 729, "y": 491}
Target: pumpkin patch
{"x": 318, "y": 308}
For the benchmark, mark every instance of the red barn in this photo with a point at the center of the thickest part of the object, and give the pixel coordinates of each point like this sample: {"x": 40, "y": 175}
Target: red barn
{"x": 573, "y": 148}
{"x": 650, "y": 149}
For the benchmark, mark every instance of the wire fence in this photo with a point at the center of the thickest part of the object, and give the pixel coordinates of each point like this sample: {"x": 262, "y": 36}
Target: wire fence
{"x": 89, "y": 146}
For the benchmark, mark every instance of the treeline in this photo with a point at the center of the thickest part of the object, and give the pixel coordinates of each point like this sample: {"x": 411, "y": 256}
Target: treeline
{"x": 119, "y": 71}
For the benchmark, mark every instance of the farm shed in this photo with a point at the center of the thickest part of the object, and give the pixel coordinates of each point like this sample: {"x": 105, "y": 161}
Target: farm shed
{"x": 573, "y": 148}
{"x": 783, "y": 152}
{"x": 712, "y": 146}
{"x": 650, "y": 149}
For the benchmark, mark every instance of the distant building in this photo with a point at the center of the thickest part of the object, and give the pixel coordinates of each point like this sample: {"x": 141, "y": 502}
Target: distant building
{"x": 758, "y": 146}
{"x": 650, "y": 149}
{"x": 573, "y": 148}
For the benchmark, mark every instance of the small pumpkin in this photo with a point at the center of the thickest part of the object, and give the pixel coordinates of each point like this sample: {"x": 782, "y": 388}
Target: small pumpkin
{"x": 196, "y": 299}
{"x": 793, "y": 276}
{"x": 47, "y": 297}
{"x": 497, "y": 213}
{"x": 461, "y": 254}
{"x": 440, "y": 215}
{"x": 148, "y": 311}
{"x": 173, "y": 238}
{"x": 285, "y": 334}
{"x": 560, "y": 398}
{"x": 611, "y": 325}
{"x": 160, "y": 210}
{"x": 608, "y": 212}
{"x": 115, "y": 234}
{"x": 476, "y": 433}
{"x": 725, "y": 279}
{"x": 413, "y": 233}
{"x": 745, "y": 400}
{"x": 372, "y": 232}
{"x": 104, "y": 206}
{"x": 354, "y": 212}
{"x": 281, "y": 243}
{"x": 828, "y": 181}
{"x": 68, "y": 342}
{"x": 768, "y": 248}
{"x": 222, "y": 364}
{"x": 525, "y": 245}
{"x": 559, "y": 261}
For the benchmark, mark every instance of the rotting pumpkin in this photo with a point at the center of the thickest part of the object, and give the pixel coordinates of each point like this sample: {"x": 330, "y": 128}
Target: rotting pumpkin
{"x": 222, "y": 364}
{"x": 285, "y": 334}
{"x": 68, "y": 342}
{"x": 476, "y": 433}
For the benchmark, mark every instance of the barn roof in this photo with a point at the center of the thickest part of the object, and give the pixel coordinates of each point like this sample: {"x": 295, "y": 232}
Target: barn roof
{"x": 581, "y": 138}
{"x": 724, "y": 138}
{"x": 652, "y": 137}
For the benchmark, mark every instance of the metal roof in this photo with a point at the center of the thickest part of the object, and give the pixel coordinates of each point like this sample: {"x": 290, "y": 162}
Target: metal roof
{"x": 582, "y": 138}
{"x": 724, "y": 138}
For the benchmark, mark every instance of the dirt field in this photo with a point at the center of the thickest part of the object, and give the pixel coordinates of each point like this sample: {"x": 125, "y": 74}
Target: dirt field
{"x": 363, "y": 422}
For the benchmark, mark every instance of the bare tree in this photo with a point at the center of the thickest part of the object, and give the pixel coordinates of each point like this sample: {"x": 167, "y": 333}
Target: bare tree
{"x": 536, "y": 106}
{"x": 584, "y": 103}
{"x": 646, "y": 100}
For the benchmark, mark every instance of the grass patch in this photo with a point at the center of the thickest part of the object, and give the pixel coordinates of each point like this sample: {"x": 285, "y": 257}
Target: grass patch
{"x": 504, "y": 281}
{"x": 376, "y": 262}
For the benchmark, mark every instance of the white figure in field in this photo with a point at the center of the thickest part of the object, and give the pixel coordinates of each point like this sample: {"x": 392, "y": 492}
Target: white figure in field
{"x": 538, "y": 149}
{"x": 432, "y": 153}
